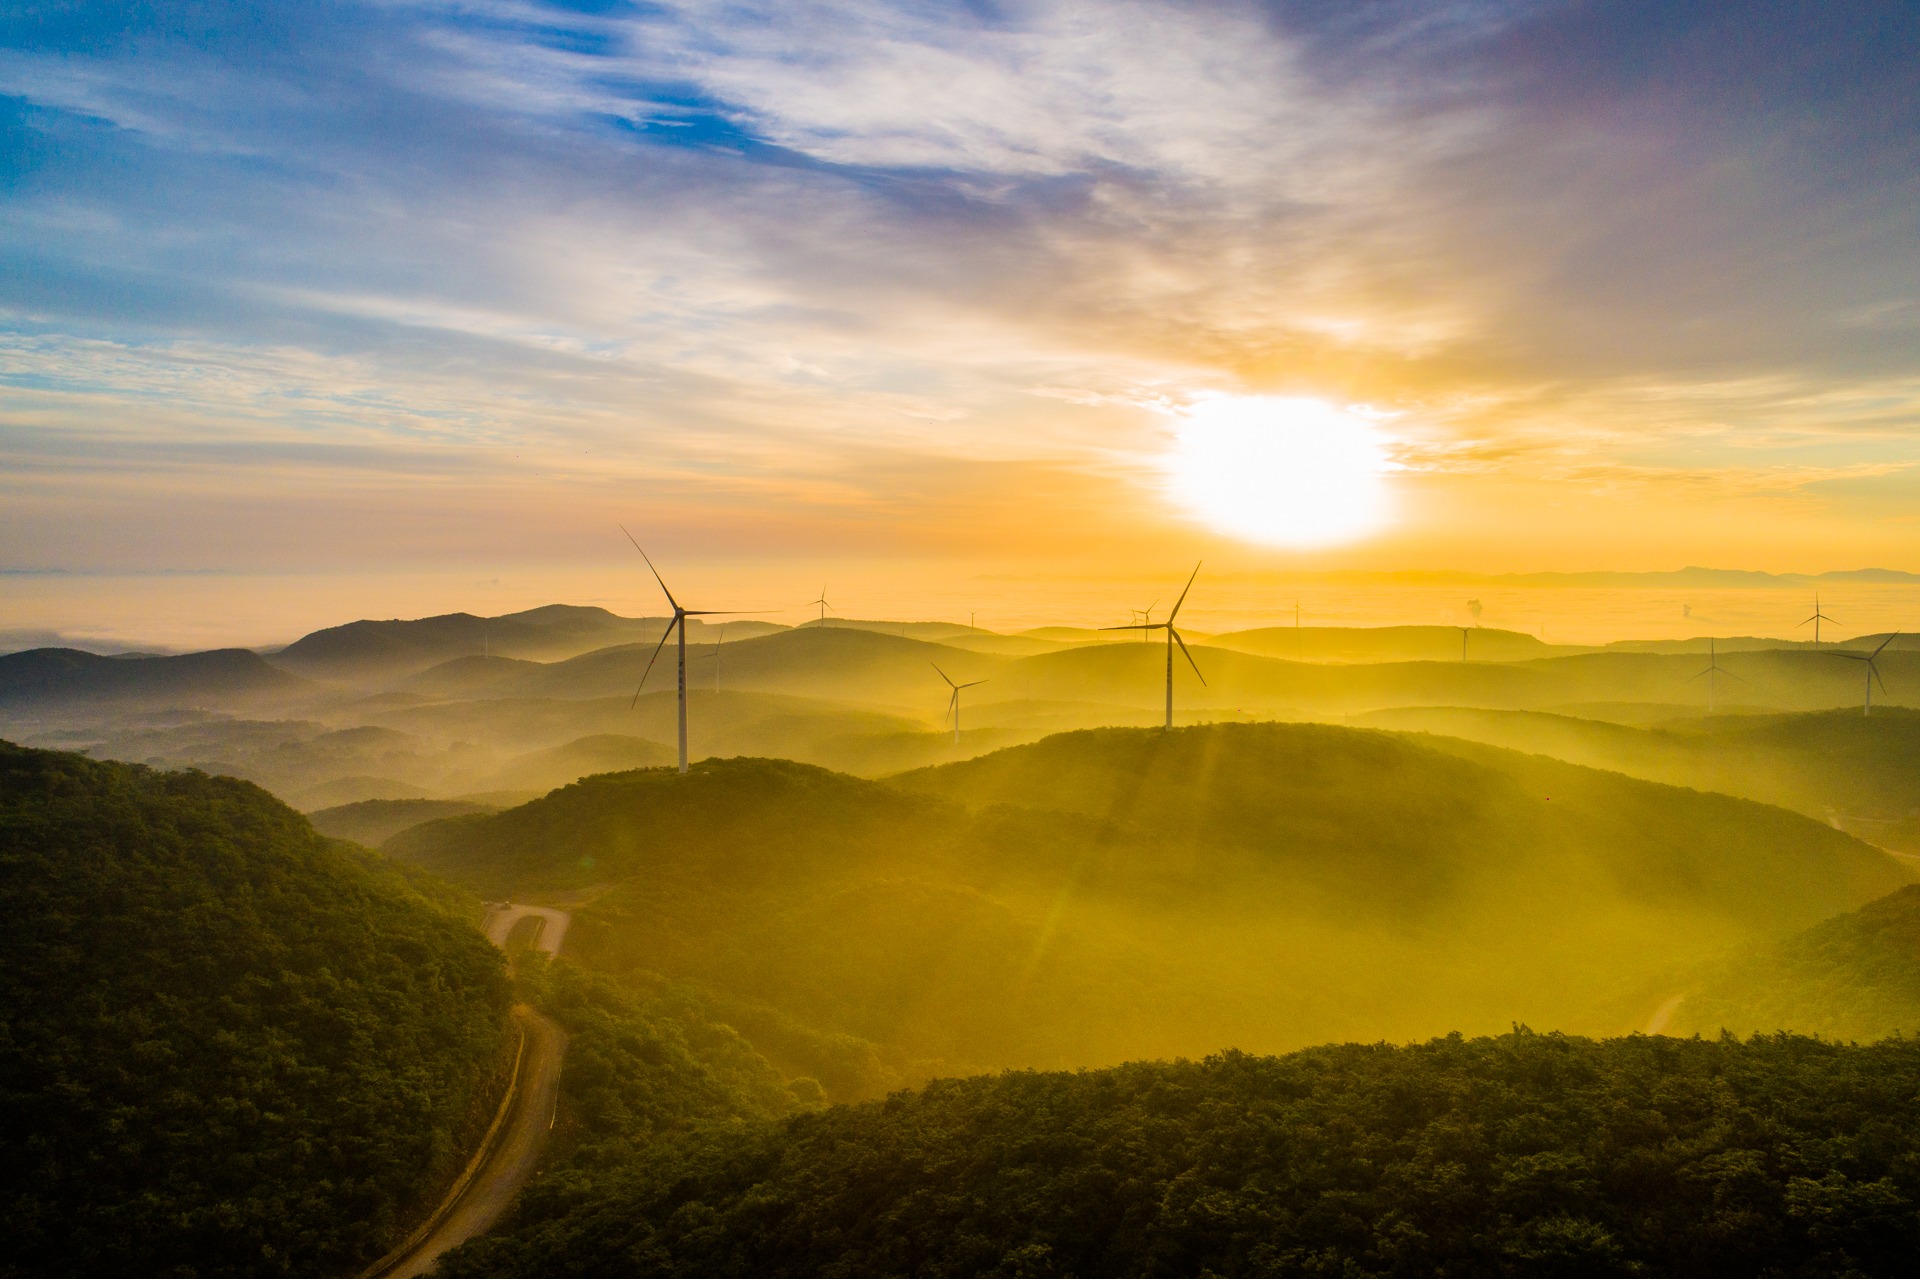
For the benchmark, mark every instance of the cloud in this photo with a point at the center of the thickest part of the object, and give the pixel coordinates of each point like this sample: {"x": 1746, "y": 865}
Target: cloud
{"x": 748, "y": 246}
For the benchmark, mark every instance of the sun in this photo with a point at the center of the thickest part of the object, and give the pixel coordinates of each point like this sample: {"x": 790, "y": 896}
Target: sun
{"x": 1280, "y": 471}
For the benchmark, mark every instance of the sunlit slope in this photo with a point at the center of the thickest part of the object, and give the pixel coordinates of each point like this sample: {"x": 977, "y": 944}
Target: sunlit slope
{"x": 1836, "y": 765}
{"x": 229, "y": 1047}
{"x": 1386, "y": 817}
{"x": 1119, "y": 893}
{"x": 1856, "y": 976}
{"x": 558, "y": 765}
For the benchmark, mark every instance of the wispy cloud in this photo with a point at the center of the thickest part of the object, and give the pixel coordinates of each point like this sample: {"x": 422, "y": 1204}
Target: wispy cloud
{"x": 787, "y": 255}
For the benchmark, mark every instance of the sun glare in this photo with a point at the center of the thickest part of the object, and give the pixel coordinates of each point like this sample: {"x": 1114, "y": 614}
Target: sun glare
{"x": 1281, "y": 471}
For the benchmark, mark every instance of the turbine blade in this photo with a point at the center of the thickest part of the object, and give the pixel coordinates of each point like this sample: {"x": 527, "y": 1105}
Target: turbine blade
{"x": 1183, "y": 594}
{"x": 971, "y": 683}
{"x": 1883, "y": 643}
{"x": 656, "y": 572}
{"x": 722, "y": 612}
{"x": 1701, "y": 675}
{"x": 1875, "y": 670}
{"x": 1737, "y": 678}
{"x": 1183, "y": 651}
{"x": 943, "y": 675}
{"x": 650, "y": 661}
{"x": 1137, "y": 626}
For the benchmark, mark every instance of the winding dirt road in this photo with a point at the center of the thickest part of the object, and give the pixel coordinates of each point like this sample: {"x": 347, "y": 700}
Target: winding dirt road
{"x": 512, "y": 1146}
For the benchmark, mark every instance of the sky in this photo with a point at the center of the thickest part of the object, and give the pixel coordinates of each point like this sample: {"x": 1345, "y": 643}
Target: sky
{"x": 305, "y": 290}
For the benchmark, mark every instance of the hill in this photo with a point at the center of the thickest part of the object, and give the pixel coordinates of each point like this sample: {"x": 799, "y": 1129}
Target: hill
{"x": 1387, "y": 644}
{"x": 1862, "y": 772}
{"x": 1114, "y": 894}
{"x": 380, "y": 650}
{"x": 371, "y": 822}
{"x": 230, "y": 1048}
{"x": 1851, "y": 977}
{"x": 1523, "y": 1155}
{"x": 44, "y": 677}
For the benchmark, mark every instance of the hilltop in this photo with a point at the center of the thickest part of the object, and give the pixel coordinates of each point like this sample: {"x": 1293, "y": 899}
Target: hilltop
{"x": 39, "y": 678}
{"x": 1112, "y": 894}
{"x": 228, "y": 1043}
{"x": 1863, "y": 772}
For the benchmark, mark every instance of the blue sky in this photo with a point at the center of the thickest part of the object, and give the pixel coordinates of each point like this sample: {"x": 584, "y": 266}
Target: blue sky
{"x": 312, "y": 286}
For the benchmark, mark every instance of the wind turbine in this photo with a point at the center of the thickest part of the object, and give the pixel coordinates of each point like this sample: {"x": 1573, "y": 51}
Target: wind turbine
{"x": 679, "y": 623}
{"x": 1464, "y": 632}
{"x": 1817, "y": 618}
{"x": 716, "y": 654}
{"x": 953, "y": 703}
{"x": 1146, "y": 617}
{"x": 1713, "y": 668}
{"x": 822, "y": 602}
{"x": 1173, "y": 637}
{"x": 1873, "y": 669}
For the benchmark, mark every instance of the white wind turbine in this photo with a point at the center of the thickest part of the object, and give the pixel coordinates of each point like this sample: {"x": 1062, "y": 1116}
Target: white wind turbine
{"x": 953, "y": 703}
{"x": 822, "y": 602}
{"x": 1873, "y": 669}
{"x": 1173, "y": 637}
{"x": 1145, "y": 617}
{"x": 1817, "y": 618}
{"x": 679, "y": 623}
{"x": 1714, "y": 669}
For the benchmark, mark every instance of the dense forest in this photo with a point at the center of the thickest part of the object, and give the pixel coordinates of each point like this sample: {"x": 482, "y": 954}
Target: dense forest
{"x": 228, "y": 1045}
{"x": 1525, "y": 1154}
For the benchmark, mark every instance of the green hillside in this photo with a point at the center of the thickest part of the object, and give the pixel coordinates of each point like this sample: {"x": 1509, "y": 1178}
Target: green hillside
{"x": 47, "y": 678}
{"x": 1837, "y": 765}
{"x": 1856, "y": 976}
{"x": 227, "y": 1047}
{"x": 372, "y": 822}
{"x": 1525, "y": 1155}
{"x": 1116, "y": 894}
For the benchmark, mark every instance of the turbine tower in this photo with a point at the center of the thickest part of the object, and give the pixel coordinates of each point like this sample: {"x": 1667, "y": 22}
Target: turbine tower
{"x": 679, "y": 623}
{"x": 1713, "y": 669}
{"x": 1873, "y": 668}
{"x": 1173, "y": 637}
{"x": 1464, "y": 632}
{"x": 1817, "y": 618}
{"x": 953, "y": 703}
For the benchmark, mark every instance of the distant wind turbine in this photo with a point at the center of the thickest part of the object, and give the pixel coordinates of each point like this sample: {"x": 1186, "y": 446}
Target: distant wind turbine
{"x": 1817, "y": 618}
{"x": 679, "y": 623}
{"x": 953, "y": 703}
{"x": 822, "y": 602}
{"x": 716, "y": 654}
{"x": 1146, "y": 618}
{"x": 1464, "y": 632}
{"x": 1873, "y": 669}
{"x": 1714, "y": 669}
{"x": 1173, "y": 637}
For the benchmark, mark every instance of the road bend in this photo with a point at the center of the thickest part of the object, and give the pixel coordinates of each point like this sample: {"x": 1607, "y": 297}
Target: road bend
{"x": 511, "y": 1149}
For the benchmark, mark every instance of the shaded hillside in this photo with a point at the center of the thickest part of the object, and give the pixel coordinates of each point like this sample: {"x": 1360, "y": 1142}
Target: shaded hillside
{"x": 1114, "y": 894}
{"x": 1526, "y": 1155}
{"x": 389, "y": 649}
{"x": 372, "y": 822}
{"x": 229, "y": 1048}
{"x": 1856, "y": 976}
{"x": 1830, "y": 764}
{"x": 39, "y": 679}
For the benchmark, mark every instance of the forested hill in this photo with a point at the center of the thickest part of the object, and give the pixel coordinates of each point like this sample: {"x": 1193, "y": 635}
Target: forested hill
{"x": 1525, "y": 1155}
{"x": 227, "y": 1046}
